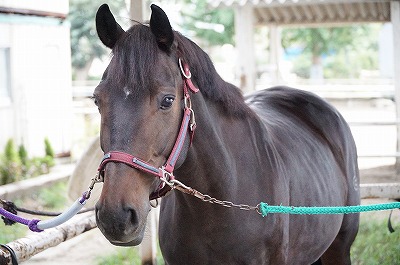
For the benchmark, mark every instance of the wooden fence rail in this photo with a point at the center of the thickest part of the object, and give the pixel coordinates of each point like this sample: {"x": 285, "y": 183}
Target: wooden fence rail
{"x": 33, "y": 244}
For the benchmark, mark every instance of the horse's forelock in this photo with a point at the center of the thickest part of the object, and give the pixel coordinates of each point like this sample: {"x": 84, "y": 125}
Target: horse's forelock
{"x": 137, "y": 51}
{"x": 135, "y": 55}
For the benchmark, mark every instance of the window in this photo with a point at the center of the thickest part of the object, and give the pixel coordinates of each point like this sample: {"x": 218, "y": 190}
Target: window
{"x": 5, "y": 77}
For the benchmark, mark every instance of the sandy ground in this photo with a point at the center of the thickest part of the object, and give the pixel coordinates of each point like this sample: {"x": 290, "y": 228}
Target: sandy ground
{"x": 80, "y": 250}
{"x": 369, "y": 139}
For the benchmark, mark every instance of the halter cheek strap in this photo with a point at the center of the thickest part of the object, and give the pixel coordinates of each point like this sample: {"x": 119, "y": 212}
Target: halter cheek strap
{"x": 166, "y": 171}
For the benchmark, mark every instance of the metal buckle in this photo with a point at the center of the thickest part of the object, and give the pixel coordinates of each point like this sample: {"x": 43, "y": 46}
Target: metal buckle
{"x": 192, "y": 120}
{"x": 188, "y": 105}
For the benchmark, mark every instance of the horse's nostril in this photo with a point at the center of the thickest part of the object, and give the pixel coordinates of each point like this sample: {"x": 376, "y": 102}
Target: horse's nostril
{"x": 132, "y": 215}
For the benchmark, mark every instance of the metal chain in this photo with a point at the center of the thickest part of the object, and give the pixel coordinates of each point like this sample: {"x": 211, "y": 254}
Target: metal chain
{"x": 96, "y": 179}
{"x": 176, "y": 184}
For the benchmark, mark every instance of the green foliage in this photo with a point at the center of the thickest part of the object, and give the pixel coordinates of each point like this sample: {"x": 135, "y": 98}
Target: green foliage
{"x": 10, "y": 166}
{"x": 126, "y": 256}
{"x": 301, "y": 66}
{"x": 85, "y": 45}
{"x": 48, "y": 148}
{"x": 338, "y": 66}
{"x": 318, "y": 41}
{"x": 214, "y": 26}
{"x": 16, "y": 165}
{"x": 48, "y": 160}
{"x": 374, "y": 244}
{"x": 346, "y": 50}
{"x": 52, "y": 198}
{"x": 23, "y": 154}
{"x": 10, "y": 233}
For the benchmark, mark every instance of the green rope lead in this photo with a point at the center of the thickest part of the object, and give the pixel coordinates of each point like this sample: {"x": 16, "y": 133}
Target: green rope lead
{"x": 266, "y": 209}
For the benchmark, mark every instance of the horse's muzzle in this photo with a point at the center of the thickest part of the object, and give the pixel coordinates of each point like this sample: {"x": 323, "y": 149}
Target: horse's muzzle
{"x": 121, "y": 226}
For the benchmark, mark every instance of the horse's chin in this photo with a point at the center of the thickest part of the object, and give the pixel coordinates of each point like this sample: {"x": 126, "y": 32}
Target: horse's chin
{"x": 129, "y": 240}
{"x": 134, "y": 242}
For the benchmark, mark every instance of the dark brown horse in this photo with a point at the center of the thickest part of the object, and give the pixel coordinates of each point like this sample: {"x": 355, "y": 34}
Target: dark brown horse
{"x": 281, "y": 146}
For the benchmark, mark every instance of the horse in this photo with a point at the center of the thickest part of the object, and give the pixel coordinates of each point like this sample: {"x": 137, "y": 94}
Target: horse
{"x": 169, "y": 121}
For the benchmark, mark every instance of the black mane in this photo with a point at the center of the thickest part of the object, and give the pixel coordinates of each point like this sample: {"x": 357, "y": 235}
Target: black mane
{"x": 210, "y": 83}
{"x": 136, "y": 52}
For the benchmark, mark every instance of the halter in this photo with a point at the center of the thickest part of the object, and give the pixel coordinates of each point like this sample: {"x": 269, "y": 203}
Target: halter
{"x": 165, "y": 172}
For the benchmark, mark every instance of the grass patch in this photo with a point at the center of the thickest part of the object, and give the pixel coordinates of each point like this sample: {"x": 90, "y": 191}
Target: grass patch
{"x": 375, "y": 245}
{"x": 52, "y": 198}
{"x": 10, "y": 233}
{"x": 126, "y": 256}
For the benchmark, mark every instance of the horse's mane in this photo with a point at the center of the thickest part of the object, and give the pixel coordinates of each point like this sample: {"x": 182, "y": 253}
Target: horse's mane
{"x": 210, "y": 83}
{"x": 135, "y": 52}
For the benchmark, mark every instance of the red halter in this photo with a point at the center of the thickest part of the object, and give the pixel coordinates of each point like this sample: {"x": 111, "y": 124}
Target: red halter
{"x": 166, "y": 171}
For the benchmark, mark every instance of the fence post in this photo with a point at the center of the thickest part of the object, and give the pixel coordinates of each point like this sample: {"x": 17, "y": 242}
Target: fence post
{"x": 395, "y": 19}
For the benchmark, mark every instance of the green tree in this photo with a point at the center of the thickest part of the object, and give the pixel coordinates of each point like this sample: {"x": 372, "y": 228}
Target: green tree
{"x": 85, "y": 45}
{"x": 319, "y": 41}
{"x": 48, "y": 149}
{"x": 23, "y": 154}
{"x": 214, "y": 26}
{"x": 48, "y": 159}
{"x": 10, "y": 166}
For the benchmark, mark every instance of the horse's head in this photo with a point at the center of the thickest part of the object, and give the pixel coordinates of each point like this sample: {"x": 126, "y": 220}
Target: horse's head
{"x": 140, "y": 99}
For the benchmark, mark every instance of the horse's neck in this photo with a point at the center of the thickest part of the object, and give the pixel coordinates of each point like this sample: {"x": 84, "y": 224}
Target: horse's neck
{"x": 222, "y": 148}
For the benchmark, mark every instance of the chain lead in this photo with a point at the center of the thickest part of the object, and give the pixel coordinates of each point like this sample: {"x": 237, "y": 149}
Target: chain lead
{"x": 96, "y": 179}
{"x": 176, "y": 184}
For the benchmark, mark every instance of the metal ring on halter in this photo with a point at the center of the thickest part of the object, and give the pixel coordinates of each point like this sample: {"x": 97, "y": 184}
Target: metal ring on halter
{"x": 187, "y": 76}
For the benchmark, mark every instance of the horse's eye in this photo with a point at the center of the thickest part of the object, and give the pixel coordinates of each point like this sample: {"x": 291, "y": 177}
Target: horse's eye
{"x": 167, "y": 101}
{"x": 94, "y": 99}
{"x": 96, "y": 102}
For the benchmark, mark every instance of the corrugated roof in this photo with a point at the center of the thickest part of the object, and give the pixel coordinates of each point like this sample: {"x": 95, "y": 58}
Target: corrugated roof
{"x": 313, "y": 11}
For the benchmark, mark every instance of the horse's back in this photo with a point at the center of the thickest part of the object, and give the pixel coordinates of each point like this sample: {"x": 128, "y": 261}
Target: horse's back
{"x": 308, "y": 117}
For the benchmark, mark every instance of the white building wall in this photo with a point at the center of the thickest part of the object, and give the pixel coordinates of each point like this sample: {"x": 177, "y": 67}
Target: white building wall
{"x": 55, "y": 6}
{"x": 40, "y": 64}
{"x": 386, "y": 62}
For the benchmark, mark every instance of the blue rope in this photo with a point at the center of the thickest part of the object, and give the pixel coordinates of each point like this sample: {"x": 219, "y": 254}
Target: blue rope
{"x": 265, "y": 209}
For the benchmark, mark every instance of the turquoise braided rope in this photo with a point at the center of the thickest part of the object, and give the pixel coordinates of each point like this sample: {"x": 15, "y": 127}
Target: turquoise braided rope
{"x": 265, "y": 209}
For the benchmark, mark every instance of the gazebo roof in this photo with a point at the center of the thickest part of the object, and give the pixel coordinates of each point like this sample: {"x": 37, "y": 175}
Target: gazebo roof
{"x": 286, "y": 12}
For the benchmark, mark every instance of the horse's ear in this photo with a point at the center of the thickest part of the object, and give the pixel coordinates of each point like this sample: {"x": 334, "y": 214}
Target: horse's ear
{"x": 161, "y": 28}
{"x": 108, "y": 29}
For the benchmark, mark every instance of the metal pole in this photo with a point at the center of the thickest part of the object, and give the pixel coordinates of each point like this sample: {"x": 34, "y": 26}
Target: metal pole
{"x": 395, "y": 19}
